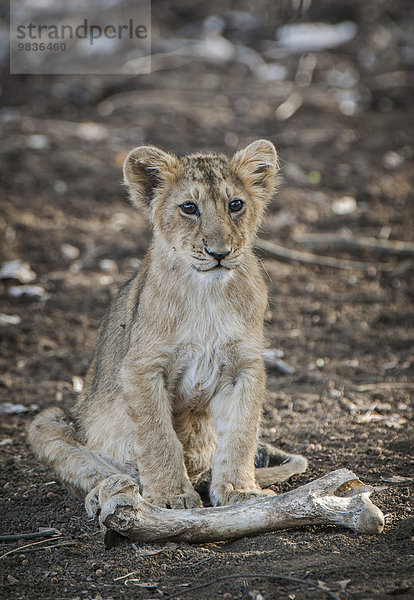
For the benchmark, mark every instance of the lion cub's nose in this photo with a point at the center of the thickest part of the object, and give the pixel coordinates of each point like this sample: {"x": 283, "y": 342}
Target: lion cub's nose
{"x": 218, "y": 255}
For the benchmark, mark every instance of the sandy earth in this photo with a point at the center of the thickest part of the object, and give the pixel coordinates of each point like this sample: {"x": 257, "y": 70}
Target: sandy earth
{"x": 347, "y": 332}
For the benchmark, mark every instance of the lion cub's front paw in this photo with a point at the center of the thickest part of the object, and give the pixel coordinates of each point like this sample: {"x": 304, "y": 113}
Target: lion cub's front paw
{"x": 227, "y": 494}
{"x": 174, "y": 499}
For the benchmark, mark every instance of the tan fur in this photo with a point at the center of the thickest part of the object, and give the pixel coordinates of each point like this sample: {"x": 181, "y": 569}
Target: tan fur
{"x": 176, "y": 384}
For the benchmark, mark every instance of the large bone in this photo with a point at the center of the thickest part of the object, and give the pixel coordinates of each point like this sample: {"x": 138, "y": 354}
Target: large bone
{"x": 338, "y": 498}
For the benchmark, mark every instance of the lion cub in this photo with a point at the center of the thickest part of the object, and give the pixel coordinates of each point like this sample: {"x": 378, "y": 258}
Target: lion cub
{"x": 176, "y": 384}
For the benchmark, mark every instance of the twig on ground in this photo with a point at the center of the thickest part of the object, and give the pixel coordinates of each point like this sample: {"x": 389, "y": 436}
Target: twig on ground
{"x": 28, "y": 546}
{"x": 385, "y": 385}
{"x": 125, "y": 576}
{"x": 255, "y": 576}
{"x": 64, "y": 543}
{"x": 199, "y": 562}
{"x": 375, "y": 245}
{"x": 287, "y": 254}
{"x": 29, "y": 536}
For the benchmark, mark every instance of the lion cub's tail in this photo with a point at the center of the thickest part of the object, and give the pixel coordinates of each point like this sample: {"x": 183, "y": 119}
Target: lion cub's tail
{"x": 53, "y": 439}
{"x": 273, "y": 465}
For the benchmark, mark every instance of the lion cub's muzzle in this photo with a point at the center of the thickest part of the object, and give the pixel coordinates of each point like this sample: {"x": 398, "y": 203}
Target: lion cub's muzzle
{"x": 217, "y": 259}
{"x": 218, "y": 256}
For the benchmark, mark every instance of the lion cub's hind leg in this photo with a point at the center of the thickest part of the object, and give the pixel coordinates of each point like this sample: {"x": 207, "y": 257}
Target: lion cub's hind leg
{"x": 53, "y": 439}
{"x": 199, "y": 440}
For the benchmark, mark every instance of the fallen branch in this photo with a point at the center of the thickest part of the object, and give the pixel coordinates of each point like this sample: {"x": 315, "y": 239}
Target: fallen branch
{"x": 338, "y": 498}
{"x": 289, "y": 255}
{"x": 255, "y": 576}
{"x": 29, "y": 536}
{"x": 375, "y": 245}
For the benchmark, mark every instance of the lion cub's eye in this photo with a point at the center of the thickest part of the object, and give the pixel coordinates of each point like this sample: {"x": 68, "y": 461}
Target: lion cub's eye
{"x": 189, "y": 208}
{"x": 236, "y": 205}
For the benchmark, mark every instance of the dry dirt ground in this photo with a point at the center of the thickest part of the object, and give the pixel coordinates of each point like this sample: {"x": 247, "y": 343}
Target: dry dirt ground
{"x": 347, "y": 332}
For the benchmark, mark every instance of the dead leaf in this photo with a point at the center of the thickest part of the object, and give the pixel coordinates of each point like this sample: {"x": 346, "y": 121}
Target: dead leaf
{"x": 343, "y": 584}
{"x": 146, "y": 551}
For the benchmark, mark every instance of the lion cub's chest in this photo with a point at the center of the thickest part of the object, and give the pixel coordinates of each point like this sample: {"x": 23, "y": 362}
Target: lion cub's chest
{"x": 206, "y": 339}
{"x": 199, "y": 373}
{"x": 208, "y": 348}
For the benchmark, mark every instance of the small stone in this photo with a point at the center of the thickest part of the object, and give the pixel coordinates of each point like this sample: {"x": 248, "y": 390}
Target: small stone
{"x": 60, "y": 187}
{"x": 344, "y": 206}
{"x": 70, "y": 252}
{"x": 77, "y": 383}
{"x": 92, "y": 132}
{"x": 392, "y": 160}
{"x": 37, "y": 142}
{"x": 33, "y": 291}
{"x": 108, "y": 266}
{"x": 17, "y": 269}
{"x": 10, "y": 319}
{"x": 105, "y": 280}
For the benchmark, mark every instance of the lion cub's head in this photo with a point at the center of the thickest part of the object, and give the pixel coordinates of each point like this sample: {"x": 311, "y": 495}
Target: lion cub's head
{"x": 205, "y": 208}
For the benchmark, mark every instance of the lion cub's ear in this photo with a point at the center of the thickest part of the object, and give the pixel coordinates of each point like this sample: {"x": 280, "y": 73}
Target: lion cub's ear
{"x": 147, "y": 169}
{"x": 257, "y": 166}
